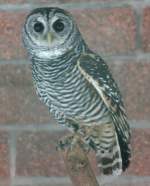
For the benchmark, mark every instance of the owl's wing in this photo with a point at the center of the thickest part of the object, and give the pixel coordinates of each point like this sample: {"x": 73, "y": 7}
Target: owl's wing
{"x": 96, "y": 72}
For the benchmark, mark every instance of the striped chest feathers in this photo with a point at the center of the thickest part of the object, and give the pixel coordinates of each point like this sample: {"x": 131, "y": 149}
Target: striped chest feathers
{"x": 74, "y": 96}
{"x": 65, "y": 89}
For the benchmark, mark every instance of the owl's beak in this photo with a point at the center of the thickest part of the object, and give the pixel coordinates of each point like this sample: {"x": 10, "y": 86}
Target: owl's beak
{"x": 50, "y": 38}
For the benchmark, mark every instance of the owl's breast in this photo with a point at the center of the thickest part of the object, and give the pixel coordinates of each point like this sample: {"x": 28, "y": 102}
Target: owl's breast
{"x": 74, "y": 96}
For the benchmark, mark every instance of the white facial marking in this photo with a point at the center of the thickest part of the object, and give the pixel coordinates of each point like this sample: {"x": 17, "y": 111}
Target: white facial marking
{"x": 50, "y": 54}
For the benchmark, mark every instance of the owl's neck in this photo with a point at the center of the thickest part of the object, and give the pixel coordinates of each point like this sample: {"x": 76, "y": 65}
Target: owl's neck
{"x": 54, "y": 68}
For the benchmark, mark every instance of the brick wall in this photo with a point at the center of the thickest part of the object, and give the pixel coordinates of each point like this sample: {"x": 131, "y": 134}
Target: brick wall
{"x": 27, "y": 133}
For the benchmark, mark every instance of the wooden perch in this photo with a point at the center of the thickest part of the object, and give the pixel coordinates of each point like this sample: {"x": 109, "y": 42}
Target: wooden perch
{"x": 78, "y": 166}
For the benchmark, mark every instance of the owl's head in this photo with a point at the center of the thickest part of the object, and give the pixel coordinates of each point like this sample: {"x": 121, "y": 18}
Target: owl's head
{"x": 50, "y": 32}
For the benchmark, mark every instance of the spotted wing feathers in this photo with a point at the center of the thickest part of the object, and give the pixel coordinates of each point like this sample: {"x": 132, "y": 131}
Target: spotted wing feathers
{"x": 96, "y": 71}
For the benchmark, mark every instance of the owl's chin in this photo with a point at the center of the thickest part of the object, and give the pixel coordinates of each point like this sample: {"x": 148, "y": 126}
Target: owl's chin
{"x": 49, "y": 54}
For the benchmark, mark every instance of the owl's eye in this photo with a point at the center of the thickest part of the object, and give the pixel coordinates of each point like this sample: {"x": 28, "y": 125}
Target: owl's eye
{"x": 58, "y": 25}
{"x": 38, "y": 27}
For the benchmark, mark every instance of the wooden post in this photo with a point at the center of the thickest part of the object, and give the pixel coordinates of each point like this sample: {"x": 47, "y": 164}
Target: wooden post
{"x": 78, "y": 166}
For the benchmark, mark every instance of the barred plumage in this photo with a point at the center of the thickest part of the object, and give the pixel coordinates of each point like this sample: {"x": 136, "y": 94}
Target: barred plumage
{"x": 77, "y": 87}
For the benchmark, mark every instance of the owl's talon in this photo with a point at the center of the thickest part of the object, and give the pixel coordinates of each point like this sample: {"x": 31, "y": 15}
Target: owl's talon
{"x": 69, "y": 142}
{"x": 65, "y": 142}
{"x": 86, "y": 147}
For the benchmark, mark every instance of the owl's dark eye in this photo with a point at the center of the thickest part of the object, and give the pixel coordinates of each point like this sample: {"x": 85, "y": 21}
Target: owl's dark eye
{"x": 58, "y": 25}
{"x": 38, "y": 27}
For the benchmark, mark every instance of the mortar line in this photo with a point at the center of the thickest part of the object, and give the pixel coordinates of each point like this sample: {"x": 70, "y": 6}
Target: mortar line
{"x": 49, "y": 127}
{"x": 83, "y": 5}
{"x": 138, "y": 20}
{"x": 32, "y": 127}
{"x": 65, "y": 180}
{"x": 19, "y": 180}
{"x": 14, "y": 62}
{"x": 12, "y": 154}
{"x": 135, "y": 56}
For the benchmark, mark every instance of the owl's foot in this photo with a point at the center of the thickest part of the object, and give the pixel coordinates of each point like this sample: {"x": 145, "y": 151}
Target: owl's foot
{"x": 69, "y": 142}
{"x": 65, "y": 142}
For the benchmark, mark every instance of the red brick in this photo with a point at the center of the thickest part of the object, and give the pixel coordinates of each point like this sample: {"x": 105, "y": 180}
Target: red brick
{"x": 10, "y": 37}
{"x": 15, "y": 75}
{"x": 141, "y": 152}
{"x": 108, "y": 31}
{"x": 146, "y": 29}
{"x": 36, "y": 155}
{"x": 4, "y": 155}
{"x": 133, "y": 79}
{"x": 21, "y": 105}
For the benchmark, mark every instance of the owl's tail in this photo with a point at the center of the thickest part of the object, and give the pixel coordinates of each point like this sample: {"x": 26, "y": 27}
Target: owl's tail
{"x": 108, "y": 152}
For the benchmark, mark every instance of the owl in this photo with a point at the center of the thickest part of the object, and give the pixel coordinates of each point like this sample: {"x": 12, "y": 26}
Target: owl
{"x": 77, "y": 87}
